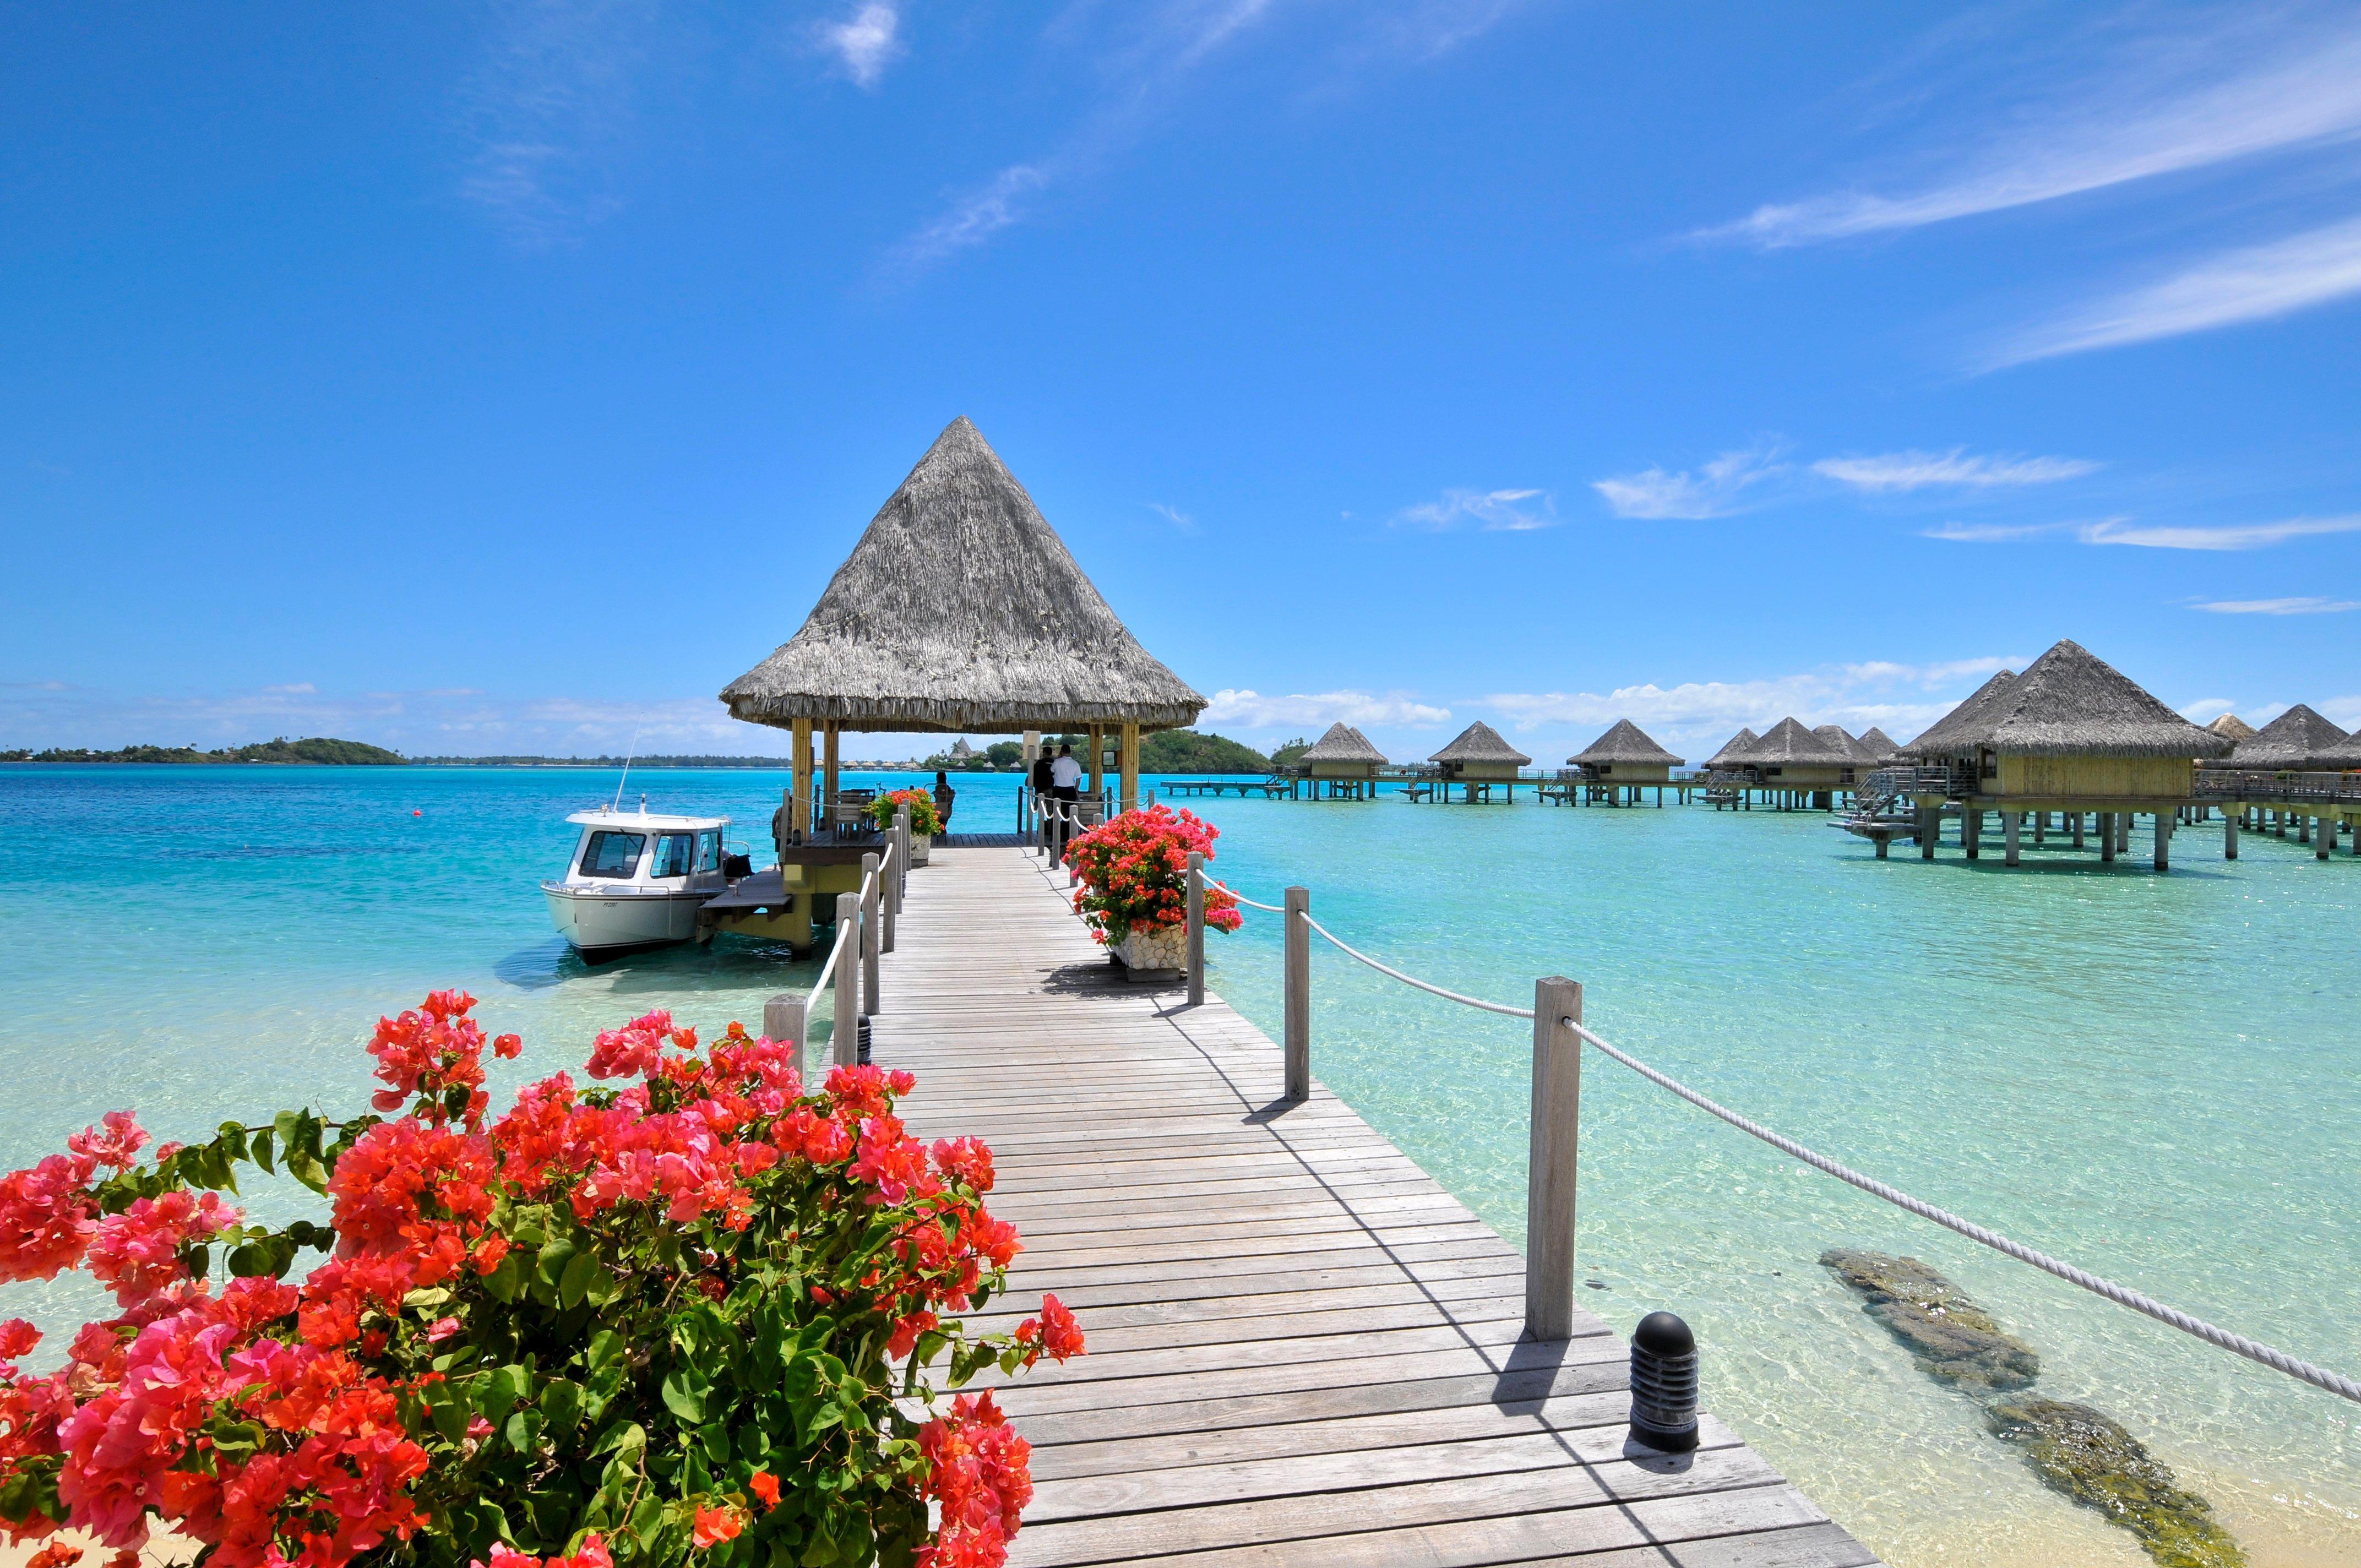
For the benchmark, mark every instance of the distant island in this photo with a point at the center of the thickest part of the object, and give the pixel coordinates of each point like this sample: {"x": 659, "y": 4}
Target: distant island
{"x": 315, "y": 752}
{"x": 651, "y": 761}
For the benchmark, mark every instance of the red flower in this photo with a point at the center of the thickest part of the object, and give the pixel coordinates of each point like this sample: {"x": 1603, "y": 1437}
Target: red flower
{"x": 716, "y": 1525}
{"x": 765, "y": 1487}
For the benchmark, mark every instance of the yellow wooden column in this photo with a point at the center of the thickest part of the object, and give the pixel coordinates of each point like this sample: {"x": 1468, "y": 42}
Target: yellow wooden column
{"x": 1098, "y": 758}
{"x": 827, "y": 780}
{"x": 799, "y": 805}
{"x": 1129, "y": 762}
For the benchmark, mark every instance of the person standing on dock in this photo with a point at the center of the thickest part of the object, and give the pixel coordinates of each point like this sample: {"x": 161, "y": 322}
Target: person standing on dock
{"x": 944, "y": 796}
{"x": 1065, "y": 789}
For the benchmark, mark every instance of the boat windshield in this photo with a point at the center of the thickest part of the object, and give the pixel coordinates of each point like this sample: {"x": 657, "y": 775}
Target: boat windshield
{"x": 708, "y": 849}
{"x": 674, "y": 853}
{"x": 613, "y": 854}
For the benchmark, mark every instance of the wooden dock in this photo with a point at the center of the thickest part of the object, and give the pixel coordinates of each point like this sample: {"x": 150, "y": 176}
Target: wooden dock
{"x": 1302, "y": 1350}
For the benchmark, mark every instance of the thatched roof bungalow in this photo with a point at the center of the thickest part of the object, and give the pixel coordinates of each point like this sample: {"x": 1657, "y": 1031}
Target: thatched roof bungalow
{"x": 1788, "y": 756}
{"x": 1880, "y": 746}
{"x": 1342, "y": 753}
{"x": 1732, "y": 750}
{"x": 2071, "y": 730}
{"x": 1836, "y": 735}
{"x": 1626, "y": 755}
{"x": 959, "y": 608}
{"x": 2230, "y": 724}
{"x": 1480, "y": 754}
{"x": 2299, "y": 740}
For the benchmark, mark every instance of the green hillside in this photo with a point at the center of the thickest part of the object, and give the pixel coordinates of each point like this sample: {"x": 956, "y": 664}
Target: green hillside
{"x": 318, "y": 751}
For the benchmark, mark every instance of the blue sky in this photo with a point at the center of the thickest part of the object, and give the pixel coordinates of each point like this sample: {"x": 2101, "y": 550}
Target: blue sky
{"x": 509, "y": 378}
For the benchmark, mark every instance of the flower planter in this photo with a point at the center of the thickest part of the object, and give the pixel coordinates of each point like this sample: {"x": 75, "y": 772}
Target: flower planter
{"x": 919, "y": 844}
{"x": 1156, "y": 955}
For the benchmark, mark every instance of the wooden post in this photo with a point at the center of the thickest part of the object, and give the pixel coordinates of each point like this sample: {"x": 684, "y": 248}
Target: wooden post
{"x": 827, "y": 779}
{"x": 2164, "y": 841}
{"x": 2012, "y": 827}
{"x": 2326, "y": 836}
{"x": 800, "y": 809}
{"x": 1298, "y": 903}
{"x": 889, "y": 905}
{"x": 2078, "y": 829}
{"x": 847, "y": 1052}
{"x": 1551, "y": 1161}
{"x": 2123, "y": 831}
{"x": 901, "y": 855}
{"x": 2229, "y": 835}
{"x": 2304, "y": 828}
{"x": 869, "y": 940}
{"x": 2040, "y": 828}
{"x": 1972, "y": 830}
{"x": 1196, "y": 928}
{"x": 2107, "y": 837}
{"x": 1129, "y": 765}
{"x": 783, "y": 1020}
{"x": 1098, "y": 762}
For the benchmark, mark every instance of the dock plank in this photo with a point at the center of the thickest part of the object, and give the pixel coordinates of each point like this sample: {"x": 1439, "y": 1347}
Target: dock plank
{"x": 1303, "y": 1350}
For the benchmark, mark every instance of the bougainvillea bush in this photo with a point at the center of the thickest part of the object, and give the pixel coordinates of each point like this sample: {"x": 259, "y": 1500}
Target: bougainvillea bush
{"x": 1133, "y": 871}
{"x": 686, "y": 1312}
{"x": 924, "y": 820}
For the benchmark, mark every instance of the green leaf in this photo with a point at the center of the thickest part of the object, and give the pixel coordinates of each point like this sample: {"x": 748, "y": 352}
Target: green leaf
{"x": 607, "y": 1348}
{"x": 261, "y": 1146}
{"x": 507, "y": 1281}
{"x": 561, "y": 1404}
{"x": 683, "y": 1395}
{"x": 581, "y": 1272}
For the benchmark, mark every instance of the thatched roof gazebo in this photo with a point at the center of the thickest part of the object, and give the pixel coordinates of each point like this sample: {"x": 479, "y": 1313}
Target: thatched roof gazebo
{"x": 2230, "y": 724}
{"x": 959, "y": 608}
{"x": 1478, "y": 758}
{"x": 1346, "y": 760}
{"x": 2299, "y": 740}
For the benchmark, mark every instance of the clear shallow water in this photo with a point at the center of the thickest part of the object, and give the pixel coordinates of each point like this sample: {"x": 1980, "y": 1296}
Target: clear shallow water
{"x": 2156, "y": 1077}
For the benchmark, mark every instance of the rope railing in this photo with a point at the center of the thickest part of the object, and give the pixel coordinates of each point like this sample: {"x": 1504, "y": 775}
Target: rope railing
{"x": 864, "y": 930}
{"x": 1298, "y": 994}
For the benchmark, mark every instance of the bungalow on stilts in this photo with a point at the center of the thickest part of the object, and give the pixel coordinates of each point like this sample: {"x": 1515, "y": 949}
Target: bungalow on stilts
{"x": 1614, "y": 769}
{"x": 1477, "y": 761}
{"x": 1346, "y": 762}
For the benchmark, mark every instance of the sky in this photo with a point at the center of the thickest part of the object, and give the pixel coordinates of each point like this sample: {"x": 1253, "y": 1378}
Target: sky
{"x": 508, "y": 377}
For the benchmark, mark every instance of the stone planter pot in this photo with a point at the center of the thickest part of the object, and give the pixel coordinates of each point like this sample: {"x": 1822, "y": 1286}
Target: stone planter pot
{"x": 1154, "y": 955}
{"x": 919, "y": 844}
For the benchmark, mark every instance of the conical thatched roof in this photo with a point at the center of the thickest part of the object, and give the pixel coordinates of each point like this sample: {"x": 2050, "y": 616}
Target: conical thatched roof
{"x": 1626, "y": 742}
{"x": 2297, "y": 739}
{"x": 1788, "y": 744}
{"x": 1946, "y": 736}
{"x": 959, "y": 608}
{"x": 1835, "y": 735}
{"x": 1479, "y": 742}
{"x": 1880, "y": 745}
{"x": 2070, "y": 702}
{"x": 1732, "y": 748}
{"x": 2230, "y": 724}
{"x": 1342, "y": 743}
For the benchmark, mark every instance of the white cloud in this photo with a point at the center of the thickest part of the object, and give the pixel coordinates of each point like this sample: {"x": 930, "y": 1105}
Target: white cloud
{"x": 552, "y": 98}
{"x": 2253, "y": 284}
{"x": 1175, "y": 516}
{"x": 1499, "y": 510}
{"x": 866, "y": 41}
{"x": 2341, "y": 710}
{"x": 2207, "y": 709}
{"x": 1991, "y": 532}
{"x": 1918, "y": 470}
{"x": 2233, "y": 536}
{"x": 1714, "y": 490}
{"x": 977, "y": 217}
{"x": 2260, "y": 86}
{"x": 2280, "y": 606}
{"x": 1252, "y": 710}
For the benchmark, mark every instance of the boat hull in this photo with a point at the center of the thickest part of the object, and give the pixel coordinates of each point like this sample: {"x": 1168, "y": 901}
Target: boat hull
{"x": 602, "y": 924}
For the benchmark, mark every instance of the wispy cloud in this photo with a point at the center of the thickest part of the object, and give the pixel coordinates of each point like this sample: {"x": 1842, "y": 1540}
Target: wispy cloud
{"x": 2232, "y": 536}
{"x": 978, "y": 216}
{"x": 1511, "y": 512}
{"x": 1175, "y": 516}
{"x": 2280, "y": 607}
{"x": 2253, "y": 284}
{"x": 1252, "y": 710}
{"x": 1716, "y": 489}
{"x": 555, "y": 88}
{"x": 865, "y": 41}
{"x": 2205, "y": 710}
{"x": 1920, "y": 470}
{"x": 2259, "y": 86}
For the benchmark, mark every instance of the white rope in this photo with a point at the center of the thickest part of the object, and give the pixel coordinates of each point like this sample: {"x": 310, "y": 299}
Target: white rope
{"x": 819, "y": 986}
{"x": 1413, "y": 979}
{"x": 1242, "y": 898}
{"x": 2278, "y": 1361}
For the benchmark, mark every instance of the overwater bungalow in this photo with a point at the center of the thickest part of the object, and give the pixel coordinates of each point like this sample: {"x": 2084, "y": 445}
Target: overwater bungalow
{"x": 1475, "y": 762}
{"x": 1731, "y": 750}
{"x": 2230, "y": 724}
{"x": 1799, "y": 767}
{"x": 1615, "y": 767}
{"x": 2299, "y": 740}
{"x": 960, "y": 609}
{"x": 1344, "y": 762}
{"x": 1879, "y": 747}
{"x": 2072, "y": 734}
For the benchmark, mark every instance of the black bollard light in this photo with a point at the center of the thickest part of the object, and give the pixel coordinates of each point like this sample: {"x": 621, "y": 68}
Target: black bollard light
{"x": 1664, "y": 1384}
{"x": 864, "y": 1039}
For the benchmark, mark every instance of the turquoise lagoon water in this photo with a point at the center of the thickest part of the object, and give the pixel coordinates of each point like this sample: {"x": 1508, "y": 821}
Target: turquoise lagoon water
{"x": 2154, "y": 1075}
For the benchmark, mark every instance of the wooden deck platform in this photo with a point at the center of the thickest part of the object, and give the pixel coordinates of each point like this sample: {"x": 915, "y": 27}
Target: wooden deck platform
{"x": 1302, "y": 1350}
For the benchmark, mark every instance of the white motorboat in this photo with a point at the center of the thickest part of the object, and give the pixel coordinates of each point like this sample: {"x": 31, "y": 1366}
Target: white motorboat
{"x": 636, "y": 880}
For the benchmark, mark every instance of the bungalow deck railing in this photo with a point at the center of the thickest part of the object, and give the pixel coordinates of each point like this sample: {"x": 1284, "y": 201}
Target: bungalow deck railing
{"x": 1559, "y": 1035}
{"x": 2240, "y": 783}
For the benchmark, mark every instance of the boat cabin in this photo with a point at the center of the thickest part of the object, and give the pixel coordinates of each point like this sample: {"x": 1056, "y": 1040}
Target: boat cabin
{"x": 636, "y": 878}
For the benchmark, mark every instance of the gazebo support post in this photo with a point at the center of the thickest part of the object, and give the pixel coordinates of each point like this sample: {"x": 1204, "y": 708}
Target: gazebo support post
{"x": 1098, "y": 763}
{"x": 827, "y": 776}
{"x": 1130, "y": 764}
{"x": 800, "y": 809}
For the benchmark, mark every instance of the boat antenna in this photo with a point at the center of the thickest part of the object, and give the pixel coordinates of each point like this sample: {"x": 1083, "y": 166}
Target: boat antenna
{"x": 634, "y": 751}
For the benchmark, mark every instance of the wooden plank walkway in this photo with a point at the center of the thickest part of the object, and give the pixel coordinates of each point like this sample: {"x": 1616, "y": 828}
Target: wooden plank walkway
{"x": 1302, "y": 1350}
